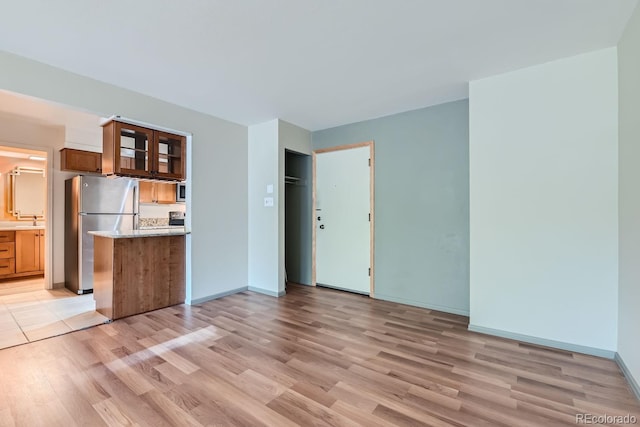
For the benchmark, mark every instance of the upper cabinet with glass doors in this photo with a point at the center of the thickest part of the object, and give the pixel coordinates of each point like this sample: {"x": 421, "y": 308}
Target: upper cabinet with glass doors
{"x": 137, "y": 151}
{"x": 170, "y": 156}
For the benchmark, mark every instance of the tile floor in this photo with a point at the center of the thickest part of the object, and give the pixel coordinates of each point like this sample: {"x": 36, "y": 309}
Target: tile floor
{"x": 34, "y": 315}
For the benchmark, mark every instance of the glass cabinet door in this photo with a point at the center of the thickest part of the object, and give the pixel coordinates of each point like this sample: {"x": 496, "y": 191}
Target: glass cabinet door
{"x": 133, "y": 146}
{"x": 170, "y": 155}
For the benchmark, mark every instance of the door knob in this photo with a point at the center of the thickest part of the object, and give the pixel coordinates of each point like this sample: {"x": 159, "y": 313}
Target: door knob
{"x": 322, "y": 227}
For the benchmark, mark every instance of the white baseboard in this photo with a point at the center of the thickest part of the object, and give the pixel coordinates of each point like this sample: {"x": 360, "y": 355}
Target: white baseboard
{"x": 414, "y": 303}
{"x": 216, "y": 296}
{"x": 266, "y": 292}
{"x": 593, "y": 351}
{"x": 627, "y": 374}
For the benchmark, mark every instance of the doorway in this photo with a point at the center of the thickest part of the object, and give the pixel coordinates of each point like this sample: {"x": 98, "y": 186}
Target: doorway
{"x": 24, "y": 202}
{"x": 343, "y": 220}
{"x": 297, "y": 217}
{"x": 30, "y": 309}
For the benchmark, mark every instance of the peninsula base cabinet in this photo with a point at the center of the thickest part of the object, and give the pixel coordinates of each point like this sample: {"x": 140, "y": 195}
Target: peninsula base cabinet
{"x": 138, "y": 274}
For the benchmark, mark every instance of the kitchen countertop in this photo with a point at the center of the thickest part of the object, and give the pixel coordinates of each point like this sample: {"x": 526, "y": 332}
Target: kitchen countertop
{"x": 158, "y": 232}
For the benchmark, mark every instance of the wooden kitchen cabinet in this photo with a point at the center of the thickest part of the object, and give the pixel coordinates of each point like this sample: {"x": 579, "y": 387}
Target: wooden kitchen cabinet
{"x": 157, "y": 192}
{"x": 7, "y": 266}
{"x": 7, "y": 253}
{"x": 22, "y": 253}
{"x": 146, "y": 192}
{"x": 29, "y": 248}
{"x": 170, "y": 156}
{"x": 41, "y": 251}
{"x": 7, "y": 236}
{"x": 137, "y": 151}
{"x": 80, "y": 160}
{"x": 165, "y": 193}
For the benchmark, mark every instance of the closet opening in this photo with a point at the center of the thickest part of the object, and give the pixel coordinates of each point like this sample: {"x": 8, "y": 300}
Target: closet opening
{"x": 298, "y": 218}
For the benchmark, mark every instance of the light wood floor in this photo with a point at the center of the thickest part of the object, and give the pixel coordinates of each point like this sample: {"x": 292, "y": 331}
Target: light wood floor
{"x": 17, "y": 286}
{"x": 313, "y": 357}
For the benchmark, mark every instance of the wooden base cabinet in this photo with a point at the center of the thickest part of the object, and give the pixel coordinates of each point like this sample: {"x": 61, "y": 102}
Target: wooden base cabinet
{"x": 138, "y": 274}
{"x": 29, "y": 251}
{"x": 7, "y": 253}
{"x": 21, "y": 253}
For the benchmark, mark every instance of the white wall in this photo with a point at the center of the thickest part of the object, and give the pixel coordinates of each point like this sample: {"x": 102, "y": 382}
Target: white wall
{"x": 267, "y": 144}
{"x": 17, "y": 132}
{"x": 543, "y": 202}
{"x": 292, "y": 138}
{"x": 218, "y": 172}
{"x": 82, "y": 130}
{"x": 629, "y": 176}
{"x": 263, "y": 221}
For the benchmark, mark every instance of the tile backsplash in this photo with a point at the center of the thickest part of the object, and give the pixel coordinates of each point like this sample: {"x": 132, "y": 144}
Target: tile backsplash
{"x": 159, "y": 211}
{"x": 152, "y": 222}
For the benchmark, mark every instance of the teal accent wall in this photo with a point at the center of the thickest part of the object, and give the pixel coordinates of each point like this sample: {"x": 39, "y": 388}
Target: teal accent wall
{"x": 421, "y": 203}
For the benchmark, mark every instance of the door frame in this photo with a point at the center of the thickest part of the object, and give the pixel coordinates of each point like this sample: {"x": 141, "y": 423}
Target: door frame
{"x": 48, "y": 214}
{"x": 369, "y": 144}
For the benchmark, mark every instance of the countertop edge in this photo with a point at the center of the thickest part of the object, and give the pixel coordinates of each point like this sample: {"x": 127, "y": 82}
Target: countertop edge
{"x": 22, "y": 228}
{"x": 132, "y": 234}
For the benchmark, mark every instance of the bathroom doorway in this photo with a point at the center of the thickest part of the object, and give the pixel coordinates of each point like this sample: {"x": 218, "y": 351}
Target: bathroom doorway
{"x": 24, "y": 206}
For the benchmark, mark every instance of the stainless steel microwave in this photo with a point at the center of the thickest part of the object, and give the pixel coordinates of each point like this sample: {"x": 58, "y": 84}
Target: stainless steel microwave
{"x": 181, "y": 192}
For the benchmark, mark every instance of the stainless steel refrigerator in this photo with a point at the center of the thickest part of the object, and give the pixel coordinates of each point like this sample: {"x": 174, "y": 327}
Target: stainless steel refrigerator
{"x": 94, "y": 203}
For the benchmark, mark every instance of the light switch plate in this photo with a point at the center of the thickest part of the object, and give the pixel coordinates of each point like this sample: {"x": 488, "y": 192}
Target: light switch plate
{"x": 268, "y": 202}
{"x": 270, "y": 188}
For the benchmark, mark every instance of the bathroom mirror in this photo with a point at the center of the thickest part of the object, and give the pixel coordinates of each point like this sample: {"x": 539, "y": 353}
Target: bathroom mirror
{"x": 28, "y": 193}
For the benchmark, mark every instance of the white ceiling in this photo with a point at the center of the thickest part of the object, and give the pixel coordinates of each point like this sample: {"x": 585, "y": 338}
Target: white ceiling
{"x": 317, "y": 64}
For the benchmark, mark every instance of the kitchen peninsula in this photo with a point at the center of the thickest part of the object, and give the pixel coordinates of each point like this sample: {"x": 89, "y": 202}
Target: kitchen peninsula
{"x": 138, "y": 271}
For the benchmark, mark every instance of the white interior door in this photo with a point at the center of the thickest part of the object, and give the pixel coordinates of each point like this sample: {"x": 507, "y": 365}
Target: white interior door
{"x": 342, "y": 219}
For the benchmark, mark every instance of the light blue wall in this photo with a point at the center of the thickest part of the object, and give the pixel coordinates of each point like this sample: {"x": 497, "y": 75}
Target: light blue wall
{"x": 421, "y": 203}
{"x": 629, "y": 200}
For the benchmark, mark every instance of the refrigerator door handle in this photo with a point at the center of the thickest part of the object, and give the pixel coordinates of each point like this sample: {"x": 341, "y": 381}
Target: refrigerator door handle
{"x": 136, "y": 207}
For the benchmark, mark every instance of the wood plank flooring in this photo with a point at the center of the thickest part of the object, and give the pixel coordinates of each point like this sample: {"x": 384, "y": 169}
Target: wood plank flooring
{"x": 313, "y": 357}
